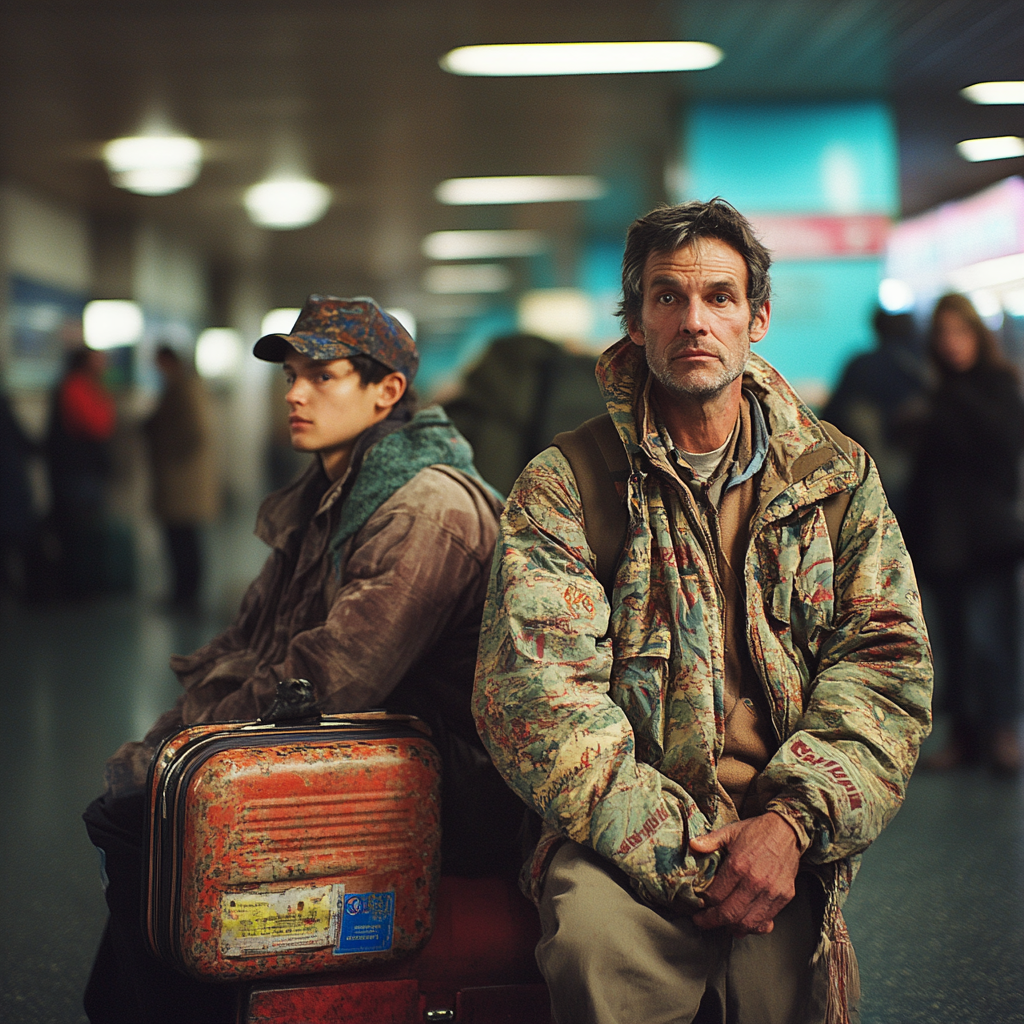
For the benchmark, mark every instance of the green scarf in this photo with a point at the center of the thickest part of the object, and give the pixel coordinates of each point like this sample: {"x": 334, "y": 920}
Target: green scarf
{"x": 428, "y": 439}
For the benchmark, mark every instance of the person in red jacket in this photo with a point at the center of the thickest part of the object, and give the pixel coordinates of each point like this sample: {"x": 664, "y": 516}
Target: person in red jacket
{"x": 82, "y": 422}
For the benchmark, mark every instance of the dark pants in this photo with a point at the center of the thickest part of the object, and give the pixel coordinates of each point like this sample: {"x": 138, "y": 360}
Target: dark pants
{"x": 976, "y": 620}
{"x": 185, "y": 554}
{"x": 128, "y": 985}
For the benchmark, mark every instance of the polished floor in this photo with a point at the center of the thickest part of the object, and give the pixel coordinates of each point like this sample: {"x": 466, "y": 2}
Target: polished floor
{"x": 937, "y": 914}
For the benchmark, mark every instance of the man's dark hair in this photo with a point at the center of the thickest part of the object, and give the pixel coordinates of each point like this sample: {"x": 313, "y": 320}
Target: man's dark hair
{"x": 373, "y": 371}
{"x": 673, "y": 227}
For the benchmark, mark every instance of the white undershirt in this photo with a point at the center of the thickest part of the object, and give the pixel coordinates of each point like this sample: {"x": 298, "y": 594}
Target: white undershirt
{"x": 704, "y": 464}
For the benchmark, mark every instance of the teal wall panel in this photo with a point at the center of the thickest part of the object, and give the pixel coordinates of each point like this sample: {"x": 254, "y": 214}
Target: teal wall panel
{"x": 796, "y": 157}
{"x": 821, "y": 316}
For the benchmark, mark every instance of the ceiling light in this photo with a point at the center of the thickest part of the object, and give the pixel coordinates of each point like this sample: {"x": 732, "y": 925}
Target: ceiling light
{"x": 287, "y": 202}
{"x": 994, "y": 92}
{"x": 111, "y": 323}
{"x": 526, "y": 188}
{"x": 561, "y": 314}
{"x": 279, "y": 321}
{"x": 1002, "y": 147}
{"x": 218, "y": 352}
{"x": 153, "y": 165}
{"x": 405, "y": 317}
{"x": 474, "y": 245}
{"x": 466, "y": 279}
{"x": 580, "y": 58}
{"x": 895, "y": 296}
{"x": 1003, "y": 270}
{"x": 1013, "y": 302}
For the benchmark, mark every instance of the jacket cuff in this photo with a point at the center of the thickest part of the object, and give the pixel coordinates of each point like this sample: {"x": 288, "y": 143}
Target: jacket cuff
{"x": 803, "y": 839}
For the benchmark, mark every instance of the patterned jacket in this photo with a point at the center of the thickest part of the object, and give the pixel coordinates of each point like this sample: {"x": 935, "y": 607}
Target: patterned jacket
{"x": 607, "y": 717}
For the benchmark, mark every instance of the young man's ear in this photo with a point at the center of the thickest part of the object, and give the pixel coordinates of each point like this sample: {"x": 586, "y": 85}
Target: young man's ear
{"x": 390, "y": 390}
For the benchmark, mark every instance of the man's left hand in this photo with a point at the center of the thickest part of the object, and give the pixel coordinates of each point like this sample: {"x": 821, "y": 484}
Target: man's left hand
{"x": 756, "y": 877}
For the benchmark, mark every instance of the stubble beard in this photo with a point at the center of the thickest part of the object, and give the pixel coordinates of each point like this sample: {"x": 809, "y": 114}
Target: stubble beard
{"x": 702, "y": 384}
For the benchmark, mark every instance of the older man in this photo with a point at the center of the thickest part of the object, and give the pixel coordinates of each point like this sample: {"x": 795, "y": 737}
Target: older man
{"x": 714, "y": 735}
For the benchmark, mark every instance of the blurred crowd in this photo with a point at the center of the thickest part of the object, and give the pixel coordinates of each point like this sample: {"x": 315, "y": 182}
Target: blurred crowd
{"x": 940, "y": 411}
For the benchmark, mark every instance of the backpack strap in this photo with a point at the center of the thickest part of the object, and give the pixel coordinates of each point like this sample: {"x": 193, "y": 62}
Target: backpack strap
{"x": 597, "y": 458}
{"x": 835, "y": 507}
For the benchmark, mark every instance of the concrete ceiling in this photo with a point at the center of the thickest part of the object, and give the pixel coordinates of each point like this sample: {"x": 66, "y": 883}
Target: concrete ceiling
{"x": 356, "y": 86}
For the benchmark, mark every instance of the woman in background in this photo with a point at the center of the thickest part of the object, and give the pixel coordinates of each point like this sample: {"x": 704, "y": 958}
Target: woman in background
{"x": 965, "y": 535}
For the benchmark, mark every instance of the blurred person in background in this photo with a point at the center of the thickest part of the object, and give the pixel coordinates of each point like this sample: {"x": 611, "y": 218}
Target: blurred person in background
{"x": 965, "y": 534}
{"x": 186, "y": 491}
{"x": 523, "y": 391}
{"x": 78, "y": 449}
{"x": 877, "y": 397}
{"x": 18, "y": 520}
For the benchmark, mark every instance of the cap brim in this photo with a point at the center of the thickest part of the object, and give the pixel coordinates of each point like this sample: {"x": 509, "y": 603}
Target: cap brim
{"x": 272, "y": 348}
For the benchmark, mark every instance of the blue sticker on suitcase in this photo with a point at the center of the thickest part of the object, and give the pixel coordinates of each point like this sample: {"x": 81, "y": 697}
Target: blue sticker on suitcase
{"x": 367, "y": 922}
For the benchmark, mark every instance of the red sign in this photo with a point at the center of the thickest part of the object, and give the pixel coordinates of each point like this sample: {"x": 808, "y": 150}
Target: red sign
{"x": 817, "y": 237}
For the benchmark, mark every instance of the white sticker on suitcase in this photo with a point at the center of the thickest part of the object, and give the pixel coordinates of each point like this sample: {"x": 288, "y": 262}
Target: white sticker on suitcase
{"x": 301, "y": 917}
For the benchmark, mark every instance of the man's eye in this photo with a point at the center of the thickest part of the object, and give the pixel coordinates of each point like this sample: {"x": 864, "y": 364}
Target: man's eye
{"x": 323, "y": 377}
{"x": 666, "y": 299}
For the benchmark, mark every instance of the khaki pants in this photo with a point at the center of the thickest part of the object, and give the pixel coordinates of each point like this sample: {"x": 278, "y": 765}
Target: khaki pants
{"x": 609, "y": 959}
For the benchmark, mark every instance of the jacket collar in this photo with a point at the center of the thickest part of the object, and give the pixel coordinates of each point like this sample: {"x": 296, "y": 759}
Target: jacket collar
{"x": 802, "y": 464}
{"x": 312, "y": 494}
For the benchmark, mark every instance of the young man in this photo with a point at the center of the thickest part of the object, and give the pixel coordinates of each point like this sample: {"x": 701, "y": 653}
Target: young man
{"x": 711, "y": 743}
{"x": 373, "y": 591}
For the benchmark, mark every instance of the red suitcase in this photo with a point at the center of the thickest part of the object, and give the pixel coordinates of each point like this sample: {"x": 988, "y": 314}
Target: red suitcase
{"x": 295, "y": 847}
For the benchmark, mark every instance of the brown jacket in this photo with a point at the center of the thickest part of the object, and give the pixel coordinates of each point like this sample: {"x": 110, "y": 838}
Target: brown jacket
{"x": 393, "y": 622}
{"x": 183, "y": 462}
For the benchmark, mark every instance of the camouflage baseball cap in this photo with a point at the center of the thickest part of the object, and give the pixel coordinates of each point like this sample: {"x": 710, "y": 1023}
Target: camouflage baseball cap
{"x": 333, "y": 328}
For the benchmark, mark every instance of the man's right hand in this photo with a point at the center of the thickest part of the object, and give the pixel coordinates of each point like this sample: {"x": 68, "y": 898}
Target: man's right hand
{"x": 756, "y": 878}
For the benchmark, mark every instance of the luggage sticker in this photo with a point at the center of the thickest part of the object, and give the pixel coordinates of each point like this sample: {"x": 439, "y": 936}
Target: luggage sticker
{"x": 367, "y": 922}
{"x": 301, "y": 917}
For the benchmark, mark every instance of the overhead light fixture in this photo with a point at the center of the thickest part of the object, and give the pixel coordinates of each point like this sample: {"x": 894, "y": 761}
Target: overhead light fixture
{"x": 475, "y": 245}
{"x": 218, "y": 352}
{"x": 1001, "y": 147}
{"x": 1013, "y": 302}
{"x": 561, "y": 314}
{"x": 279, "y": 321}
{"x": 287, "y": 202}
{"x": 466, "y": 279}
{"x": 405, "y": 317}
{"x": 1003, "y": 270}
{"x": 523, "y": 188}
{"x": 512, "y": 59}
{"x": 153, "y": 165}
{"x": 895, "y": 296}
{"x": 994, "y": 92}
{"x": 111, "y": 323}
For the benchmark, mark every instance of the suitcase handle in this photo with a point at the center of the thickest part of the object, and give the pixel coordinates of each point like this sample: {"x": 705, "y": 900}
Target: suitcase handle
{"x": 294, "y": 704}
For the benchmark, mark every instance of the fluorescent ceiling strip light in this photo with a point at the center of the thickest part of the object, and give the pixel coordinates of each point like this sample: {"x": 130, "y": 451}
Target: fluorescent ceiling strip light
{"x": 1001, "y": 147}
{"x": 994, "y": 92}
{"x": 466, "y": 279}
{"x": 475, "y": 245}
{"x": 526, "y": 188}
{"x": 513, "y": 59}
{"x": 989, "y": 273}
